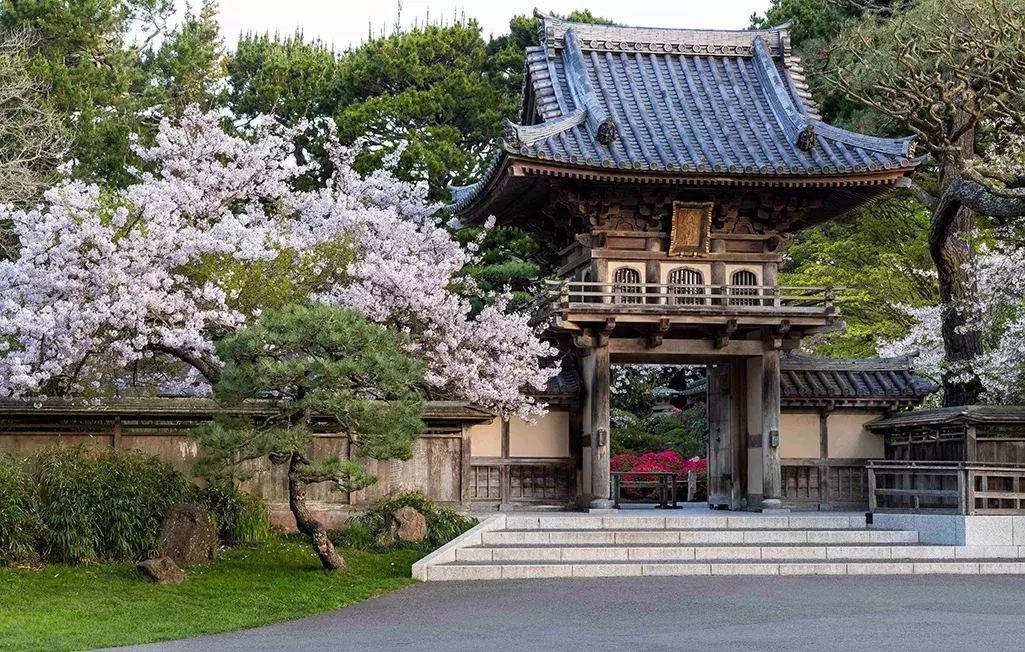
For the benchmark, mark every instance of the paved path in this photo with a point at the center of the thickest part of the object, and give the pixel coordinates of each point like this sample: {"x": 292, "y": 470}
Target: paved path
{"x": 654, "y": 614}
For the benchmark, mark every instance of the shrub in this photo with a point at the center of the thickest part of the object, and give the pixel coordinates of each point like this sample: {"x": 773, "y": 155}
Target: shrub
{"x": 19, "y": 519}
{"x": 103, "y": 505}
{"x": 241, "y": 518}
{"x": 443, "y": 524}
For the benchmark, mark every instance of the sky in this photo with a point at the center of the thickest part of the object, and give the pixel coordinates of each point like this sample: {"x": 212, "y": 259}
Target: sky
{"x": 344, "y": 23}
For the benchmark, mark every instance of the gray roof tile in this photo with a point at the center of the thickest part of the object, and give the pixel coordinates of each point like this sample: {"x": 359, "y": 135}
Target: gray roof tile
{"x": 693, "y": 101}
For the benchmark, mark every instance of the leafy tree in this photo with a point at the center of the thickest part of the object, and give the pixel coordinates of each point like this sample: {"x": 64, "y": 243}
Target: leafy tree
{"x": 98, "y": 62}
{"x": 881, "y": 256}
{"x": 32, "y": 136}
{"x": 947, "y": 70}
{"x": 319, "y": 366}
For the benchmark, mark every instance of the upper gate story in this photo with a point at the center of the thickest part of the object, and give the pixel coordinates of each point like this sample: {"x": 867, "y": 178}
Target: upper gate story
{"x": 663, "y": 171}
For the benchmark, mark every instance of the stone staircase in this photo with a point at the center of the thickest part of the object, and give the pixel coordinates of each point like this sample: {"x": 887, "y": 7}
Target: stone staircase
{"x": 524, "y": 546}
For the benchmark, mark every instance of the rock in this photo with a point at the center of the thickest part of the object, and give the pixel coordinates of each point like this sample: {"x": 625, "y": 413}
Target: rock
{"x": 407, "y": 525}
{"x": 162, "y": 570}
{"x": 187, "y": 536}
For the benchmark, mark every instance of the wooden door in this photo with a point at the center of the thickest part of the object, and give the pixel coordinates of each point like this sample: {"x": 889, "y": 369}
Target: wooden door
{"x": 721, "y": 474}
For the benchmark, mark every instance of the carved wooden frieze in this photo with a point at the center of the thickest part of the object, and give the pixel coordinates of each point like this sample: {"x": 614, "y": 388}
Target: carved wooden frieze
{"x": 692, "y": 223}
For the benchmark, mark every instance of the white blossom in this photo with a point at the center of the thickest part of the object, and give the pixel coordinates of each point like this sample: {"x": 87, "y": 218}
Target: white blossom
{"x": 106, "y": 278}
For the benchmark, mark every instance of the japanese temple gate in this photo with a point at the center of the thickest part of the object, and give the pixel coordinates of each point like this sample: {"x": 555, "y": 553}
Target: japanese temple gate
{"x": 664, "y": 171}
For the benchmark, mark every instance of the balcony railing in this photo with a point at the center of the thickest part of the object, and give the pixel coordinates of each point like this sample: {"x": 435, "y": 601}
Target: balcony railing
{"x": 578, "y": 296}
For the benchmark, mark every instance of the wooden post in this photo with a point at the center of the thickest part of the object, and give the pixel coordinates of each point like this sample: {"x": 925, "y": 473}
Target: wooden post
{"x": 871, "y": 489}
{"x": 971, "y": 492}
{"x": 772, "y": 476}
{"x": 825, "y": 497}
{"x": 465, "y": 466}
{"x": 600, "y": 429}
{"x": 116, "y": 439}
{"x": 770, "y": 278}
{"x": 961, "y": 491}
{"x": 971, "y": 444}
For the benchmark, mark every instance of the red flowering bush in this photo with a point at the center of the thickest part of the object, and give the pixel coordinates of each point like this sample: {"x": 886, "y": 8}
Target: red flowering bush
{"x": 662, "y": 462}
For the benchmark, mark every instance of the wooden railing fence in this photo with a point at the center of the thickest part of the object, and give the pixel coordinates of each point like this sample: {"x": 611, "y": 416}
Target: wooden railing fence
{"x": 966, "y": 488}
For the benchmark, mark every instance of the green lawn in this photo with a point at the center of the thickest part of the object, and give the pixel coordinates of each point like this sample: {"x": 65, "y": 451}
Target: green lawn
{"x": 76, "y": 608}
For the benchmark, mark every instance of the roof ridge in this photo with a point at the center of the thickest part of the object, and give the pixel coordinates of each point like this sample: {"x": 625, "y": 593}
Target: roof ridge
{"x": 552, "y": 31}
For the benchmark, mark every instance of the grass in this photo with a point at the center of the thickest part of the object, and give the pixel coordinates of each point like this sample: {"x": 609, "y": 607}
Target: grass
{"x": 85, "y": 607}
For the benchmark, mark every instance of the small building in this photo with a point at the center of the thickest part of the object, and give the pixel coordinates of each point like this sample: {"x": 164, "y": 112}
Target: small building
{"x": 664, "y": 171}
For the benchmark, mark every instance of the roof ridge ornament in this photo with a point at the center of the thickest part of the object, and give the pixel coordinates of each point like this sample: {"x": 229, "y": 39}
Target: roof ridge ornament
{"x": 806, "y": 139}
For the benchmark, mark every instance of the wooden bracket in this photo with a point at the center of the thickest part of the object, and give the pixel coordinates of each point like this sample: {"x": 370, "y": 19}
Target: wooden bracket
{"x": 592, "y": 339}
{"x": 722, "y": 338}
{"x": 777, "y": 337}
{"x": 657, "y": 332}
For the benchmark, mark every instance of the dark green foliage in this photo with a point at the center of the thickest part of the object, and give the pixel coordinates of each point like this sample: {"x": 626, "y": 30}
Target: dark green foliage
{"x": 104, "y": 73}
{"x": 443, "y": 524}
{"x": 684, "y": 432}
{"x": 241, "y": 518}
{"x": 103, "y": 505}
{"x": 315, "y": 362}
{"x": 19, "y": 519}
{"x": 881, "y": 255}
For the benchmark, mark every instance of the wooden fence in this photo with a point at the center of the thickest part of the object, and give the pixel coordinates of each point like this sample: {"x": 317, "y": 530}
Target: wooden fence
{"x": 440, "y": 466}
{"x": 818, "y": 482}
{"x": 496, "y": 480}
{"x": 966, "y": 488}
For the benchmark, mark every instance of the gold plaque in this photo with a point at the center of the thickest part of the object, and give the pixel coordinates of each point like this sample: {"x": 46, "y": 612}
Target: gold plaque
{"x": 692, "y": 223}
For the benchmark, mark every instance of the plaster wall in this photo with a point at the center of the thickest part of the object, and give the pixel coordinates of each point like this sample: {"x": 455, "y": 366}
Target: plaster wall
{"x": 848, "y": 437}
{"x": 548, "y": 437}
{"x": 486, "y": 439}
{"x": 799, "y": 434}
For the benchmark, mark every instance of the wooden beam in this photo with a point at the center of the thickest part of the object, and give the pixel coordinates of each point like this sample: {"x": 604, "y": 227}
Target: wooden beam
{"x": 707, "y": 347}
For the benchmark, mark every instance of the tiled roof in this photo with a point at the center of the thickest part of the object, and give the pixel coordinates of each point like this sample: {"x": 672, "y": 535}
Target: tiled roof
{"x": 805, "y": 379}
{"x": 962, "y": 415}
{"x": 679, "y": 101}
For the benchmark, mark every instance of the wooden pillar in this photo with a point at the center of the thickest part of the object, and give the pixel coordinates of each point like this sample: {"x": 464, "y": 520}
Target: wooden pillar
{"x": 825, "y": 495}
{"x": 115, "y": 440}
{"x": 770, "y": 278}
{"x": 600, "y": 430}
{"x": 772, "y": 479}
{"x": 718, "y": 270}
{"x": 653, "y": 270}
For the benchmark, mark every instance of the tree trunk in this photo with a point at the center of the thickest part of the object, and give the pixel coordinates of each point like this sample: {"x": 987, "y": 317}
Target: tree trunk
{"x": 953, "y": 253}
{"x": 307, "y": 524}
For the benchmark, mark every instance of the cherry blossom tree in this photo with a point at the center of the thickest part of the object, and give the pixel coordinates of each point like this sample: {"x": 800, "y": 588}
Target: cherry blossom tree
{"x": 212, "y": 233}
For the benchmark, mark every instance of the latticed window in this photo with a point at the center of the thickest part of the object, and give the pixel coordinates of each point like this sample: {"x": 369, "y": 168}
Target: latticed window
{"x": 627, "y": 281}
{"x": 685, "y": 283}
{"x": 744, "y": 283}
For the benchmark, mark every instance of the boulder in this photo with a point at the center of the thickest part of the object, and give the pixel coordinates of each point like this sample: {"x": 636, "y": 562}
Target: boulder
{"x": 407, "y": 525}
{"x": 187, "y": 536}
{"x": 161, "y": 570}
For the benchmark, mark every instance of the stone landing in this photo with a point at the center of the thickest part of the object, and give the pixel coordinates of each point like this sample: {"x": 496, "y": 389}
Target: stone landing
{"x": 520, "y": 546}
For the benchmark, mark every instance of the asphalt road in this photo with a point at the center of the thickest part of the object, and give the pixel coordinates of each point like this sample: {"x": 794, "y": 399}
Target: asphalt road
{"x": 653, "y": 614}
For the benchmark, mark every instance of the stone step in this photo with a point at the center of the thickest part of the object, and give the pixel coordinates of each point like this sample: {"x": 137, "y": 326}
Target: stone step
{"x": 483, "y": 571}
{"x": 622, "y": 553}
{"x": 605, "y": 537}
{"x": 745, "y": 522}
